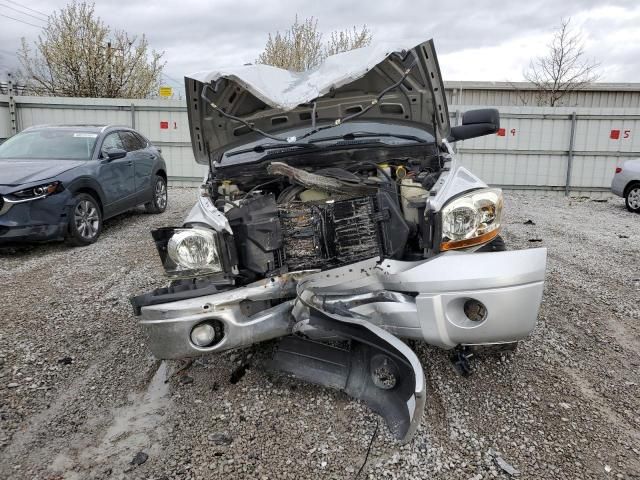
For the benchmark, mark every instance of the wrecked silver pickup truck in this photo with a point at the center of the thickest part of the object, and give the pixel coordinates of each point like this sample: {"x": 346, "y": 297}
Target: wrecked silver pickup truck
{"x": 336, "y": 218}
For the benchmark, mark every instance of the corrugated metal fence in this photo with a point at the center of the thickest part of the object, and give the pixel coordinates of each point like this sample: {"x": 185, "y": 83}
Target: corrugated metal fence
{"x": 552, "y": 149}
{"x": 522, "y": 94}
{"x": 164, "y": 122}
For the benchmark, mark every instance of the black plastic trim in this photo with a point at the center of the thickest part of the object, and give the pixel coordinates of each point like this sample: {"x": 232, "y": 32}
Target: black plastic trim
{"x": 178, "y": 290}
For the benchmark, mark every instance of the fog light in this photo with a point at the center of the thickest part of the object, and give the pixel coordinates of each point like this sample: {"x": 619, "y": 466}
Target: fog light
{"x": 206, "y": 334}
{"x": 475, "y": 310}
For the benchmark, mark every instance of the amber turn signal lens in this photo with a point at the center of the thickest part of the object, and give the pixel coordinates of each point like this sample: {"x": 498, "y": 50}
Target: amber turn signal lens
{"x": 470, "y": 242}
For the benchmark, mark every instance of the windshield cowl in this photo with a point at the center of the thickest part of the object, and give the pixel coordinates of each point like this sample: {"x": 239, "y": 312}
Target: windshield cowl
{"x": 351, "y": 135}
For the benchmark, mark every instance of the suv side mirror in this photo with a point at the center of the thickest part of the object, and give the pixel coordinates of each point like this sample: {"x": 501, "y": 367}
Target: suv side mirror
{"x": 476, "y": 123}
{"x": 115, "y": 153}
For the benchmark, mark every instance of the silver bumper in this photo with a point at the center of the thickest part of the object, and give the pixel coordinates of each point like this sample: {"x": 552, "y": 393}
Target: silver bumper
{"x": 422, "y": 300}
{"x": 618, "y": 183}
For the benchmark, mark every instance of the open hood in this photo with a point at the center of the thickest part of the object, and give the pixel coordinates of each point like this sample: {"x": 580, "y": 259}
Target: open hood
{"x": 276, "y": 100}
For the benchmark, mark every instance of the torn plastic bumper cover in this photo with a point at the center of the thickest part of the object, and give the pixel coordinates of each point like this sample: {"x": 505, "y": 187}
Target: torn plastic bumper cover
{"x": 378, "y": 369}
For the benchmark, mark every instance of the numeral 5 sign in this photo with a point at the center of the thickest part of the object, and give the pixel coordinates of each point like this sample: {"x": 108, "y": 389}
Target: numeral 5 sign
{"x": 617, "y": 134}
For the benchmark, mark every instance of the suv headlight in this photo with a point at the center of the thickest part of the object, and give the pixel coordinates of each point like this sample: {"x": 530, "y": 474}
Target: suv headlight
{"x": 471, "y": 219}
{"x": 189, "y": 252}
{"x": 34, "y": 193}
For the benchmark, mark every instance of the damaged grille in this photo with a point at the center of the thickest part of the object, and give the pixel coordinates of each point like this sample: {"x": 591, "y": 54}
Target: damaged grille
{"x": 329, "y": 234}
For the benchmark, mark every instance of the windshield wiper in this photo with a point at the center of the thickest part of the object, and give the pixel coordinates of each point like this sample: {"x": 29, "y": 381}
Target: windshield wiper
{"x": 313, "y": 145}
{"x": 353, "y": 136}
{"x": 274, "y": 146}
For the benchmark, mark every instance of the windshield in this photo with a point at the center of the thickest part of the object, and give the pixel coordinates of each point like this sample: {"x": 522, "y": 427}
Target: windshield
{"x": 50, "y": 144}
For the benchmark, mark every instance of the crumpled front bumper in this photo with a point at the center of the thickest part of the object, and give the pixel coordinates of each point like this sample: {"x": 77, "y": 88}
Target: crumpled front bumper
{"x": 428, "y": 303}
{"x": 369, "y": 303}
{"x": 34, "y": 221}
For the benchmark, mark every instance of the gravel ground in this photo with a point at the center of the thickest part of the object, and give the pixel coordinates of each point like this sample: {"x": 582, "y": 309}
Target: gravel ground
{"x": 81, "y": 396}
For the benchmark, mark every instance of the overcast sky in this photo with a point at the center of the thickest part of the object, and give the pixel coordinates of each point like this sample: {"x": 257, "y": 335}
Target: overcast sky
{"x": 479, "y": 40}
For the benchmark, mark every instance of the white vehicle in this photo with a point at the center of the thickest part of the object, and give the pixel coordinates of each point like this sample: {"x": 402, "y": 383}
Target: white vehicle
{"x": 334, "y": 209}
{"x": 626, "y": 183}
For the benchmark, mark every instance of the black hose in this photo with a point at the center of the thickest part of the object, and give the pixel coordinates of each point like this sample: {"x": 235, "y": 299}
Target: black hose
{"x": 237, "y": 119}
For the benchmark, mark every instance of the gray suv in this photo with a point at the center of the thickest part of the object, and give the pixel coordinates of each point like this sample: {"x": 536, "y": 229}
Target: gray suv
{"x": 61, "y": 182}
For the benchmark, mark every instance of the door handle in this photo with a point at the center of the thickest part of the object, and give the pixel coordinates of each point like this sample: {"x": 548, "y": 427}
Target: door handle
{"x": 130, "y": 162}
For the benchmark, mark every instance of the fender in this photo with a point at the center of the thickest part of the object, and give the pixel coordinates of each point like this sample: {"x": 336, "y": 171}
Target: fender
{"x": 86, "y": 181}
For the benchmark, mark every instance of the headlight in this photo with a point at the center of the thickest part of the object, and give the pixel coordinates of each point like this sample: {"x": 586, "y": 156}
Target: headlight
{"x": 471, "y": 219}
{"x": 39, "y": 191}
{"x": 189, "y": 252}
{"x": 194, "y": 249}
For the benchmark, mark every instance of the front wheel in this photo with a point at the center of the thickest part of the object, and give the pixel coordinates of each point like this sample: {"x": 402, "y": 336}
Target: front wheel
{"x": 632, "y": 199}
{"x": 85, "y": 223}
{"x": 160, "y": 197}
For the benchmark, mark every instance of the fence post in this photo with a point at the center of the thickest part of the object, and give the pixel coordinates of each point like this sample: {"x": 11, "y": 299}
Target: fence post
{"x": 454, "y": 145}
{"x": 133, "y": 116}
{"x": 567, "y": 185}
{"x": 12, "y": 107}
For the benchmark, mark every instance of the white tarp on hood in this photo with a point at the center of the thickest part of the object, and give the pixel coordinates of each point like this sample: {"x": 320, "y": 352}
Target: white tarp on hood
{"x": 272, "y": 99}
{"x": 286, "y": 90}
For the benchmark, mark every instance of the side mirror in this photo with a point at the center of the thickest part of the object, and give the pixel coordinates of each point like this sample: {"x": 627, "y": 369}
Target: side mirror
{"x": 115, "y": 153}
{"x": 476, "y": 123}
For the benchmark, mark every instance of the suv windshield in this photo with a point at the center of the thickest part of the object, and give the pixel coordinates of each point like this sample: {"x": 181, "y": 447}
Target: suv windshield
{"x": 50, "y": 144}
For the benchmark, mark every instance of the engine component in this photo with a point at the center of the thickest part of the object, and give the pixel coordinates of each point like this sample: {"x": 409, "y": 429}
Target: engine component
{"x": 313, "y": 195}
{"x": 393, "y": 228}
{"x": 228, "y": 189}
{"x": 257, "y": 233}
{"x": 322, "y": 182}
{"x": 412, "y": 193}
{"x": 324, "y": 235}
{"x": 321, "y": 220}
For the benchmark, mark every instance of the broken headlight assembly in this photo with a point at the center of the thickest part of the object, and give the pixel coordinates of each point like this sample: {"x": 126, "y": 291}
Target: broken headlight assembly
{"x": 190, "y": 252}
{"x": 471, "y": 219}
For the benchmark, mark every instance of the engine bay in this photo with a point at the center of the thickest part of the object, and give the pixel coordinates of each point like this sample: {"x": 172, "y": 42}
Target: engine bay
{"x": 289, "y": 218}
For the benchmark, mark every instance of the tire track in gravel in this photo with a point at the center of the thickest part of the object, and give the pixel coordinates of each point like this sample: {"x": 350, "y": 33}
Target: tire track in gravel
{"x": 594, "y": 333}
{"x": 73, "y": 303}
{"x": 24, "y": 440}
{"x": 138, "y": 426}
{"x": 626, "y": 333}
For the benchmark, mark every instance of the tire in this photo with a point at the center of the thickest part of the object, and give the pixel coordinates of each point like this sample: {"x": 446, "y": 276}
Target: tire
{"x": 160, "y": 196}
{"x": 85, "y": 224}
{"x": 632, "y": 198}
{"x": 496, "y": 245}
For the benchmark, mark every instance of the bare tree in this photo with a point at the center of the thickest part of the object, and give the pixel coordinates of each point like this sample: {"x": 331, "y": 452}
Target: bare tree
{"x": 301, "y": 47}
{"x": 564, "y": 69}
{"x": 77, "y": 55}
{"x": 345, "y": 40}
